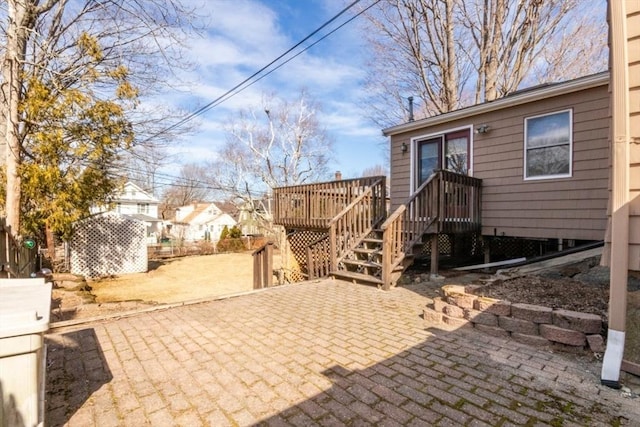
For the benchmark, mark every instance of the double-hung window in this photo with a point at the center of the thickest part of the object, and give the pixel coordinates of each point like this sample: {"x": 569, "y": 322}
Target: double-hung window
{"x": 548, "y": 145}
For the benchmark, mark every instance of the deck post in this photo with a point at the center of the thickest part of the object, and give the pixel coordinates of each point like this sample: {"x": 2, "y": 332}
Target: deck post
{"x": 267, "y": 266}
{"x": 333, "y": 255}
{"x": 434, "y": 254}
{"x": 487, "y": 251}
{"x": 386, "y": 259}
{"x": 263, "y": 266}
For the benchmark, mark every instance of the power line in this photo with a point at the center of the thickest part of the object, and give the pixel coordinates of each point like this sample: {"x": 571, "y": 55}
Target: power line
{"x": 230, "y": 95}
{"x": 168, "y": 180}
{"x": 239, "y": 87}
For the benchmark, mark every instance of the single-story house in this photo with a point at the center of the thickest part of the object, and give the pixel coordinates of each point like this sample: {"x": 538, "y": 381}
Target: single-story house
{"x": 553, "y": 163}
{"x": 542, "y": 155}
{"x": 200, "y": 221}
{"x": 532, "y": 166}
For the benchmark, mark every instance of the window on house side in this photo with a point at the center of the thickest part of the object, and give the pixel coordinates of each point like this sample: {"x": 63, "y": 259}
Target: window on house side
{"x": 548, "y": 145}
{"x": 143, "y": 208}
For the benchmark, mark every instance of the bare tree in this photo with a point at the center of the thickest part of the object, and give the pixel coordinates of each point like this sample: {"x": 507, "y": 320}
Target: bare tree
{"x": 377, "y": 170}
{"x": 279, "y": 143}
{"x": 86, "y": 54}
{"x": 452, "y": 53}
{"x": 189, "y": 188}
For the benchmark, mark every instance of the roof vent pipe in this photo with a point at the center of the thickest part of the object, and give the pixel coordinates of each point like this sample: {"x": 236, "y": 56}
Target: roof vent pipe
{"x": 410, "y": 99}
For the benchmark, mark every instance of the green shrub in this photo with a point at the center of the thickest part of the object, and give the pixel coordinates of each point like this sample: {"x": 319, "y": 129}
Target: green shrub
{"x": 231, "y": 245}
{"x": 225, "y": 233}
{"x": 235, "y": 232}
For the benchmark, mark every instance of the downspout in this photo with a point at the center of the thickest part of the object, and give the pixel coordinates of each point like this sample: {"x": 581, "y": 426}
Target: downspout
{"x": 619, "y": 263}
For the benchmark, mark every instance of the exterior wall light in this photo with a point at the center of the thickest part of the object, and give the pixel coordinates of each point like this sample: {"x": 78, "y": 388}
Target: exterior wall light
{"x": 404, "y": 147}
{"x": 482, "y": 129}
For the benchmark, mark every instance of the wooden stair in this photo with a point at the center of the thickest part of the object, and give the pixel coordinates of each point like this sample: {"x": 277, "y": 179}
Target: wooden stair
{"x": 364, "y": 263}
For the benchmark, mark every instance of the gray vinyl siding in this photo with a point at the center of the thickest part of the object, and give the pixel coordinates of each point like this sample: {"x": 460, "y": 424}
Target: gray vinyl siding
{"x": 568, "y": 208}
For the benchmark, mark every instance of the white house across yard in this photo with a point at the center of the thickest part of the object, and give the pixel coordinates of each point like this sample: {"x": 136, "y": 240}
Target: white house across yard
{"x": 201, "y": 221}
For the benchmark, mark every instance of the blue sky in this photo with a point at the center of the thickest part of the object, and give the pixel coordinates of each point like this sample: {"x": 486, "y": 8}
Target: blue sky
{"x": 244, "y": 36}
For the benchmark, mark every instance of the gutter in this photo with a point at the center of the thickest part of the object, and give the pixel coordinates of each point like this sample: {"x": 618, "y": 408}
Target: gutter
{"x": 619, "y": 263}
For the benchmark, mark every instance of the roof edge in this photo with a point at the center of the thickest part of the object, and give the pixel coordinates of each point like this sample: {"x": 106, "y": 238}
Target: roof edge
{"x": 526, "y": 96}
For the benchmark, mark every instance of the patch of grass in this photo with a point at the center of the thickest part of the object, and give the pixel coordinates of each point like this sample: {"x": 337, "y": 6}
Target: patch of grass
{"x": 460, "y": 403}
{"x": 557, "y": 422}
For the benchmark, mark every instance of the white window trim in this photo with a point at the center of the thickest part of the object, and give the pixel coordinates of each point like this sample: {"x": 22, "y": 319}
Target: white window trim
{"x": 413, "y": 150}
{"x": 524, "y": 145}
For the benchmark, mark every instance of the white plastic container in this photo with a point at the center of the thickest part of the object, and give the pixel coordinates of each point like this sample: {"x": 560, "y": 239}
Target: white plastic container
{"x": 25, "y": 306}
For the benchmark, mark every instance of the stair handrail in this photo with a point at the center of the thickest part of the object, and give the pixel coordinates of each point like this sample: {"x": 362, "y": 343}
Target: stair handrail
{"x": 445, "y": 196}
{"x": 353, "y": 226}
{"x": 406, "y": 225}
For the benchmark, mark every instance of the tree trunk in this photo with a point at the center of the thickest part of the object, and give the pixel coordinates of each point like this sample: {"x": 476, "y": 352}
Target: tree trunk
{"x": 450, "y": 73}
{"x": 493, "y": 47}
{"x": 19, "y": 18}
{"x": 51, "y": 244}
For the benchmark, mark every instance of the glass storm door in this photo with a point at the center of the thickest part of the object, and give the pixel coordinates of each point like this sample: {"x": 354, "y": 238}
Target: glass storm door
{"x": 449, "y": 151}
{"x": 429, "y": 158}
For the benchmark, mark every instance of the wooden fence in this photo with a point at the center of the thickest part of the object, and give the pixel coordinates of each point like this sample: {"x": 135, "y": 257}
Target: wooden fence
{"x": 17, "y": 260}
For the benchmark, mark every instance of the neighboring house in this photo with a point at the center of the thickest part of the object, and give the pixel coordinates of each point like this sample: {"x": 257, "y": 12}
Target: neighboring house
{"x": 200, "y": 221}
{"x": 136, "y": 203}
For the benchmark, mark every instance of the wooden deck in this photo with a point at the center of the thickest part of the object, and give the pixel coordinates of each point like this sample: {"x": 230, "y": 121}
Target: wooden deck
{"x": 351, "y": 212}
{"x": 314, "y": 206}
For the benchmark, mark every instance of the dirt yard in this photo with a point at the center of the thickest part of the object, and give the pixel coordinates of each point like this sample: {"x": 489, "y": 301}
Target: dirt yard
{"x": 169, "y": 281}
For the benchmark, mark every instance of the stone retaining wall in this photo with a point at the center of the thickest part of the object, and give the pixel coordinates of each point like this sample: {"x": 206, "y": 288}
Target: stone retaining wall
{"x": 532, "y": 324}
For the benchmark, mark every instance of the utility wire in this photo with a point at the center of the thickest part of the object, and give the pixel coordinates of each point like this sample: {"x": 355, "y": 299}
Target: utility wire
{"x": 231, "y": 91}
{"x": 180, "y": 181}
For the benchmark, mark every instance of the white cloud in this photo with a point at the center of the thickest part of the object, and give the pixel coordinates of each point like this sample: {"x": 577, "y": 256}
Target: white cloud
{"x": 244, "y": 36}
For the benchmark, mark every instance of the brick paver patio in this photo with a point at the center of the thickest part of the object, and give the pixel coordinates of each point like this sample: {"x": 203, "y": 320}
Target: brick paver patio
{"x": 323, "y": 353}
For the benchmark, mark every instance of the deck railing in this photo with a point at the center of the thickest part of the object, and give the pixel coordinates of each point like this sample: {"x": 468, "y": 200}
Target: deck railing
{"x": 315, "y": 205}
{"x": 263, "y": 266}
{"x": 446, "y": 203}
{"x": 347, "y": 229}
